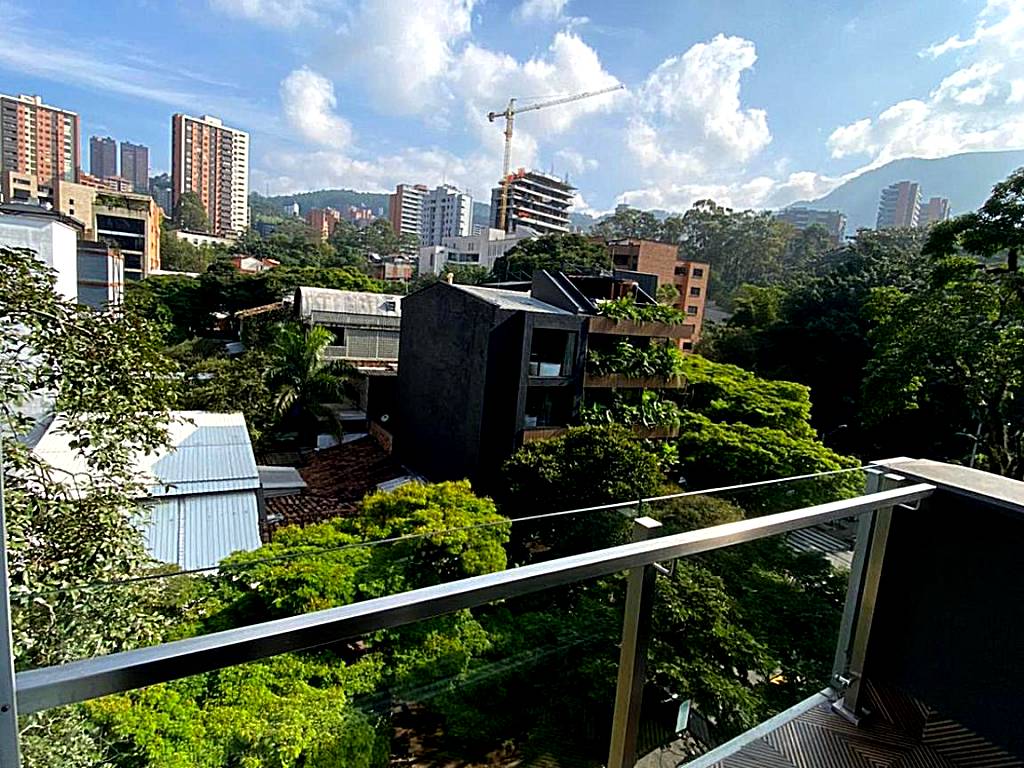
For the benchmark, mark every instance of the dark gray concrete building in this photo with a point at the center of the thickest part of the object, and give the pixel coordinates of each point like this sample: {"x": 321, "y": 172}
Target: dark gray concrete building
{"x": 135, "y": 165}
{"x": 102, "y": 157}
{"x": 478, "y": 368}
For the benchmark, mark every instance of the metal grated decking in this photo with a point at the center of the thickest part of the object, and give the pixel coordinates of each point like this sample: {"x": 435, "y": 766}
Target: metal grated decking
{"x": 903, "y": 734}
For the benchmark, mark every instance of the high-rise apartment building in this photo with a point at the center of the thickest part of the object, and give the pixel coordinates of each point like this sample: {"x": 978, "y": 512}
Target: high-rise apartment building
{"x": 323, "y": 221}
{"x": 37, "y": 139}
{"x": 212, "y": 160}
{"x": 135, "y": 165}
{"x": 445, "y": 212}
{"x": 833, "y": 222}
{"x": 934, "y": 211}
{"x": 102, "y": 157}
{"x": 536, "y": 202}
{"x": 899, "y": 206}
{"x": 405, "y": 208}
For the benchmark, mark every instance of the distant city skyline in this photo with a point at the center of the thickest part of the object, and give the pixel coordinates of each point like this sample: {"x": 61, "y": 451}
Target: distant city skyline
{"x": 744, "y": 106}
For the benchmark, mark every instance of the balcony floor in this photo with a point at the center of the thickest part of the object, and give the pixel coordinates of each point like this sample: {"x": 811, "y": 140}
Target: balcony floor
{"x": 904, "y": 734}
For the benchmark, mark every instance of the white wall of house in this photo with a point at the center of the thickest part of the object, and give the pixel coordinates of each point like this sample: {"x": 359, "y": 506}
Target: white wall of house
{"x": 55, "y": 244}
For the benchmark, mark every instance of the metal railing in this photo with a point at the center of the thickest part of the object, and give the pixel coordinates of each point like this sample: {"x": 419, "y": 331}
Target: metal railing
{"x": 78, "y": 681}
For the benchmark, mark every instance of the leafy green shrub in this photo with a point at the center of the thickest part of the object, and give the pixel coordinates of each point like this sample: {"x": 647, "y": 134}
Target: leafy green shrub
{"x": 626, "y": 308}
{"x": 649, "y": 410}
{"x": 629, "y": 359}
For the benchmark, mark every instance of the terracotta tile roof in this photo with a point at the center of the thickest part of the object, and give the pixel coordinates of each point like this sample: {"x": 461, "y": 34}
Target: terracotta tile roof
{"x": 337, "y": 478}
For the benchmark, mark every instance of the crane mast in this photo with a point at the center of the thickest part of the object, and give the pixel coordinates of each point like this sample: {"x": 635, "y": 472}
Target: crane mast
{"x": 509, "y": 114}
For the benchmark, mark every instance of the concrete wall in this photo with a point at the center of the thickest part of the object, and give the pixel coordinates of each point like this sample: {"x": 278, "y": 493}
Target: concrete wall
{"x": 443, "y": 374}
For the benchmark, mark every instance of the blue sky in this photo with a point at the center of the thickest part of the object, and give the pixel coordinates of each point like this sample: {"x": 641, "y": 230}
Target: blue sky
{"x": 753, "y": 103}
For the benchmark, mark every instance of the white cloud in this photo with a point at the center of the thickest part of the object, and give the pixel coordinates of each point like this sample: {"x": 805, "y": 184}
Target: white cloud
{"x": 308, "y": 101}
{"x": 403, "y": 50}
{"x": 693, "y": 101}
{"x": 575, "y": 162}
{"x": 757, "y": 192}
{"x": 541, "y": 10}
{"x": 271, "y": 13}
{"x": 971, "y": 109}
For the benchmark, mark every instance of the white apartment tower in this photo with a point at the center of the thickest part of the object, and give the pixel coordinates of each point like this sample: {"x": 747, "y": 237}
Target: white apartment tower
{"x": 212, "y": 160}
{"x": 446, "y": 212}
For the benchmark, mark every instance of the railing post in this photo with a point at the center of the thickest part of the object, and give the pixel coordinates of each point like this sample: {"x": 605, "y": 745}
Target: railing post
{"x": 861, "y": 597}
{"x": 9, "y": 751}
{"x": 636, "y": 633}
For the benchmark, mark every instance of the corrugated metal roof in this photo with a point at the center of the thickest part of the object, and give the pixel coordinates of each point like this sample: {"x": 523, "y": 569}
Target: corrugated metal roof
{"x": 310, "y": 300}
{"x": 511, "y": 300}
{"x": 200, "y": 531}
{"x": 203, "y": 487}
{"x": 209, "y": 452}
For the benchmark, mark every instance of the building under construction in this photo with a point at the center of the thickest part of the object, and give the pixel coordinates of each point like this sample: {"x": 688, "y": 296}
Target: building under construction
{"x": 536, "y": 201}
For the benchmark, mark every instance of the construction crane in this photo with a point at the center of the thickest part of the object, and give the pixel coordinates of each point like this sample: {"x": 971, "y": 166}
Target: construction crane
{"x": 509, "y": 114}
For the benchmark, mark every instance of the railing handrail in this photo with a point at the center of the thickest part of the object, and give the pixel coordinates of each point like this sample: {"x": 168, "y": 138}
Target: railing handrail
{"x": 76, "y": 681}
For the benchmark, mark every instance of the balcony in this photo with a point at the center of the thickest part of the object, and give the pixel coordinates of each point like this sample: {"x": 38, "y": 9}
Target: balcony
{"x": 611, "y": 326}
{"x": 928, "y": 663}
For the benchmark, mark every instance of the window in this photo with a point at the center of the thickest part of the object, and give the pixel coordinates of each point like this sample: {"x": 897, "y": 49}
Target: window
{"x": 687, "y": 345}
{"x": 692, "y": 310}
{"x": 695, "y": 291}
{"x": 390, "y": 306}
{"x": 698, "y": 272}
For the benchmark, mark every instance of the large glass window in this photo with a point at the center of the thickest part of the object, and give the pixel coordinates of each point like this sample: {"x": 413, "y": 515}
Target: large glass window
{"x": 551, "y": 352}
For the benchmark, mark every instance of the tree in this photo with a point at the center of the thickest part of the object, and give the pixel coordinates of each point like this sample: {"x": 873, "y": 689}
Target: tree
{"x": 104, "y": 374}
{"x": 628, "y": 222}
{"x": 995, "y": 229}
{"x": 190, "y": 213}
{"x": 740, "y": 246}
{"x": 584, "y": 467}
{"x": 572, "y": 254}
{"x": 180, "y": 255}
{"x": 300, "y": 377}
{"x": 949, "y": 362}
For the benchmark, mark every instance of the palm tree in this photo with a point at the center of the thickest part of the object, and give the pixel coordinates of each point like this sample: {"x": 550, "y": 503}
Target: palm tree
{"x": 299, "y": 376}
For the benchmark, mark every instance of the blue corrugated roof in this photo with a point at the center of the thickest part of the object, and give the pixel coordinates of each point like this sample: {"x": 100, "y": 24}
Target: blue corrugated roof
{"x": 203, "y": 488}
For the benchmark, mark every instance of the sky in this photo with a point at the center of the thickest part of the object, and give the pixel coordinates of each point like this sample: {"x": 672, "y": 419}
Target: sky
{"x": 753, "y": 103}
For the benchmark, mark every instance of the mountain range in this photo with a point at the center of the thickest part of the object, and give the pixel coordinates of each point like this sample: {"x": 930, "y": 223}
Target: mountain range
{"x": 965, "y": 179}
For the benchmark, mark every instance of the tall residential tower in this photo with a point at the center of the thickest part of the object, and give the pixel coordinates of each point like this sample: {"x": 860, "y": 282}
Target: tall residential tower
{"x": 135, "y": 165}
{"x": 102, "y": 157}
{"x": 934, "y": 211}
{"x": 38, "y": 140}
{"x": 446, "y": 212}
{"x": 212, "y": 160}
{"x": 899, "y": 206}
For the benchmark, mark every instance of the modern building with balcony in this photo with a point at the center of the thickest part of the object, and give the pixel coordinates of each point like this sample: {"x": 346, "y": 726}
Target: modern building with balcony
{"x": 481, "y": 249}
{"x": 366, "y": 326}
{"x": 484, "y": 370}
{"x": 801, "y": 217}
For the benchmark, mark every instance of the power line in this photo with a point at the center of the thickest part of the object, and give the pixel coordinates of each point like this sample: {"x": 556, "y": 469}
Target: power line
{"x": 639, "y": 503}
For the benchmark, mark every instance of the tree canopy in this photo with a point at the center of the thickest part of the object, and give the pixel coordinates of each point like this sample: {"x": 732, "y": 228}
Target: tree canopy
{"x": 190, "y": 213}
{"x": 571, "y": 253}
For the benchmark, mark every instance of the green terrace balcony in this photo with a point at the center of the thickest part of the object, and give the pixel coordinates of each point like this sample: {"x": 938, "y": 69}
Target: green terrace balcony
{"x": 927, "y": 667}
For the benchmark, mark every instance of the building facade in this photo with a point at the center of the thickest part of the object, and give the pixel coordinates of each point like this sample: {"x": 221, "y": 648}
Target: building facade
{"x": 833, "y": 222}
{"x": 537, "y": 202}
{"x": 934, "y": 211}
{"x": 405, "y": 209}
{"x": 899, "y": 206}
{"x": 477, "y": 250}
{"x": 446, "y": 212}
{"x": 323, "y": 221}
{"x": 135, "y": 165}
{"x": 54, "y": 242}
{"x": 212, "y": 160}
{"x": 692, "y": 283}
{"x": 102, "y": 156}
{"x": 38, "y": 140}
{"x": 366, "y": 326}
{"x": 100, "y": 275}
{"x": 129, "y": 221}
